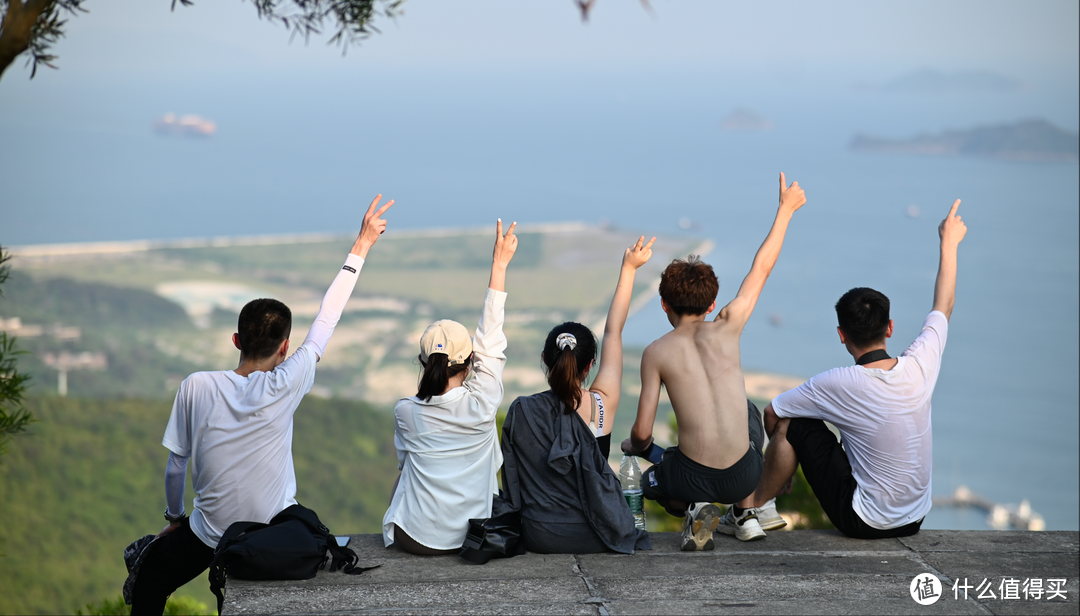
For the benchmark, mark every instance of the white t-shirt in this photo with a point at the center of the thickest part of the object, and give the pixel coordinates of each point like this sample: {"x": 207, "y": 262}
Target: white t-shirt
{"x": 238, "y": 430}
{"x": 884, "y": 419}
{"x": 448, "y": 447}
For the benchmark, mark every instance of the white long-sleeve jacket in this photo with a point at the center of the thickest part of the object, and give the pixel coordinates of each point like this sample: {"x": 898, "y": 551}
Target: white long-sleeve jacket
{"x": 448, "y": 447}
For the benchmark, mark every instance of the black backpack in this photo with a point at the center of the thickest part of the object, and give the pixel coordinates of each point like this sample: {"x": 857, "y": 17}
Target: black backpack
{"x": 292, "y": 546}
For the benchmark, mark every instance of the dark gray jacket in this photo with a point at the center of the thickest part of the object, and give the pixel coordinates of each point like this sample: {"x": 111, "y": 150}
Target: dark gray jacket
{"x": 553, "y": 471}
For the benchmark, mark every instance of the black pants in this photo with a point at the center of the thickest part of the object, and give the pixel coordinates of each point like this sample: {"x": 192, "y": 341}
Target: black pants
{"x": 828, "y": 471}
{"x": 173, "y": 560}
{"x": 679, "y": 478}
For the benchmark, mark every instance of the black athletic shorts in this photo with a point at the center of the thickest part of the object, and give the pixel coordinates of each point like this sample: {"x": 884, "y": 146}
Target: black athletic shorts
{"x": 678, "y": 478}
{"x": 827, "y": 470}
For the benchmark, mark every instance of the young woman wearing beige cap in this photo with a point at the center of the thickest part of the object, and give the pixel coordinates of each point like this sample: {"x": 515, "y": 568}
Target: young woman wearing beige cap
{"x": 445, "y": 435}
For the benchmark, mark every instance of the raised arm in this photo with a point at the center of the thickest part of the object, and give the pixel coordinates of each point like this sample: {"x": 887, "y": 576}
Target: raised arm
{"x": 739, "y": 309}
{"x": 505, "y": 245}
{"x": 609, "y": 375}
{"x": 342, "y": 287}
{"x": 951, "y": 231}
{"x": 489, "y": 340}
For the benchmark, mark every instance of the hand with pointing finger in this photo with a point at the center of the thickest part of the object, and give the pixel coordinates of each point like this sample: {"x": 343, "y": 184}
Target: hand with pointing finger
{"x": 952, "y": 229}
{"x": 791, "y": 197}
{"x": 372, "y": 227}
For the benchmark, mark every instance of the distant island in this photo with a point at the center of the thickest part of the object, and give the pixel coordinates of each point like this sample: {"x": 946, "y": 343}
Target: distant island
{"x": 1033, "y": 140}
{"x": 929, "y": 81}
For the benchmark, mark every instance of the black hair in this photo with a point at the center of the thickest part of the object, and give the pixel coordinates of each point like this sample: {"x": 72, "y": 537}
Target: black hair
{"x": 263, "y": 325}
{"x": 863, "y": 315}
{"x": 437, "y": 373}
{"x": 567, "y": 368}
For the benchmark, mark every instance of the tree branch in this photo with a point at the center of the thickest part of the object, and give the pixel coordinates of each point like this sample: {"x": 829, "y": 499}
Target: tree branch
{"x": 32, "y": 27}
{"x": 17, "y": 29}
{"x": 13, "y": 416}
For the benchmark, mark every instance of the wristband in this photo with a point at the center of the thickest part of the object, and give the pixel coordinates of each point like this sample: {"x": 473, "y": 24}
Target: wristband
{"x": 173, "y": 519}
{"x": 653, "y": 454}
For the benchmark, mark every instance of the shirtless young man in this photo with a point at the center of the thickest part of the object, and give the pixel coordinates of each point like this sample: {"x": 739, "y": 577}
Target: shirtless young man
{"x": 719, "y": 457}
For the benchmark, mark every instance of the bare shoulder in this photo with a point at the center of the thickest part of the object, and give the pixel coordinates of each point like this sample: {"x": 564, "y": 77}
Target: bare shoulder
{"x": 662, "y": 346}
{"x": 651, "y": 352}
{"x": 735, "y": 312}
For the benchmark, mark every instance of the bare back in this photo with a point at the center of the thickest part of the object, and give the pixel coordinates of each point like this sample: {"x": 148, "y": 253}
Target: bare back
{"x": 698, "y": 364}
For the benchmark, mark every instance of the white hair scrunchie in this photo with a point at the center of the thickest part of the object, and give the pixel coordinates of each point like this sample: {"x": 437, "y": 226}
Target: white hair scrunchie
{"x": 566, "y": 340}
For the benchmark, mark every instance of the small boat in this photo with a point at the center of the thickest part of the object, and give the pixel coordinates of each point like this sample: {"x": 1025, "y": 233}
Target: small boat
{"x": 186, "y": 125}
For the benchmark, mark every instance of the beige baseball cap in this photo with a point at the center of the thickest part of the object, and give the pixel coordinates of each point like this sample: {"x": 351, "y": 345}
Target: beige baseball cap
{"x": 448, "y": 337}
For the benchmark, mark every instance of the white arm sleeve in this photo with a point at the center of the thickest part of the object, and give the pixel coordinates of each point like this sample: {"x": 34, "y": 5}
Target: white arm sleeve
{"x": 175, "y": 473}
{"x": 489, "y": 342}
{"x": 333, "y": 304}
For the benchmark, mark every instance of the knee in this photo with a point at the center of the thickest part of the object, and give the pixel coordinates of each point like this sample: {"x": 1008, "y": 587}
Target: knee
{"x": 779, "y": 429}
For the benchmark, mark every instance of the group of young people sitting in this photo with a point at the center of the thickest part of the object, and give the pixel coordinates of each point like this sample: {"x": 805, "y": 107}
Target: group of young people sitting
{"x": 235, "y": 426}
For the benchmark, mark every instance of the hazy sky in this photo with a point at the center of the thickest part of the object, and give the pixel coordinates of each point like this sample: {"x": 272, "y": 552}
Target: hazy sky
{"x": 520, "y": 100}
{"x": 140, "y": 37}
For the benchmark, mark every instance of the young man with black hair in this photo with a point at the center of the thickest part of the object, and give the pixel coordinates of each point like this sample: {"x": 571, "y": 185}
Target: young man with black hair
{"x": 719, "y": 457}
{"x": 236, "y": 427}
{"x": 877, "y": 484}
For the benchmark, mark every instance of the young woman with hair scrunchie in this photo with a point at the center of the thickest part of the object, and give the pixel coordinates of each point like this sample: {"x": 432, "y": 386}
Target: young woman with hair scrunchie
{"x": 445, "y": 435}
{"x": 555, "y": 443}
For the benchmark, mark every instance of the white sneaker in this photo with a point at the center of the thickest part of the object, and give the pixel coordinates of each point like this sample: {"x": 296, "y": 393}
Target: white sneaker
{"x": 701, "y": 521}
{"x": 744, "y": 527}
{"x": 768, "y": 518}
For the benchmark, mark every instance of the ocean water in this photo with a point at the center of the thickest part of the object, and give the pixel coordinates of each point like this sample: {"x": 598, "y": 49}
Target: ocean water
{"x": 640, "y": 150}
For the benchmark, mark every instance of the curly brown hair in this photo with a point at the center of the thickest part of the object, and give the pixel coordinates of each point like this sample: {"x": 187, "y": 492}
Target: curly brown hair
{"x": 689, "y": 286}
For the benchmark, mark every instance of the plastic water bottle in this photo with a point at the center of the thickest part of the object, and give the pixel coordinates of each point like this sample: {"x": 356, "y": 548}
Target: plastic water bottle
{"x": 630, "y": 478}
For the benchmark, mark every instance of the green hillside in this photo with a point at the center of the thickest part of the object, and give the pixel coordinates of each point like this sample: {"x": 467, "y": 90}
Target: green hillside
{"x": 152, "y": 315}
{"x": 115, "y": 322}
{"x": 88, "y": 479}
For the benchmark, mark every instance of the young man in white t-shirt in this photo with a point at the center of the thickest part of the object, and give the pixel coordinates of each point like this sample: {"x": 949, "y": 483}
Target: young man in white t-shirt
{"x": 877, "y": 484}
{"x": 236, "y": 428}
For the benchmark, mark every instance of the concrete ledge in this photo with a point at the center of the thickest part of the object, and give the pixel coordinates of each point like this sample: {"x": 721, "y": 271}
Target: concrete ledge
{"x": 798, "y": 572}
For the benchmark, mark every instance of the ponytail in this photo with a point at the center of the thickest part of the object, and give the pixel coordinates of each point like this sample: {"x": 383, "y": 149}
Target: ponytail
{"x": 565, "y": 379}
{"x": 568, "y": 351}
{"x": 436, "y": 376}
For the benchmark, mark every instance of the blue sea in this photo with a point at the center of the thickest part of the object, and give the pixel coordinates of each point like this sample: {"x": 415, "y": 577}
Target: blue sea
{"x": 640, "y": 150}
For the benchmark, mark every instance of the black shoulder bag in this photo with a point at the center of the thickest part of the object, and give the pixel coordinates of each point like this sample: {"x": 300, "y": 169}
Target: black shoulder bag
{"x": 496, "y": 537}
{"x": 499, "y": 536}
{"x": 292, "y": 546}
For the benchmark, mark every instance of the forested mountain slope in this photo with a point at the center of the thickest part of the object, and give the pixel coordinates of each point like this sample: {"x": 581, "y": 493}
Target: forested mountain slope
{"x": 88, "y": 479}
